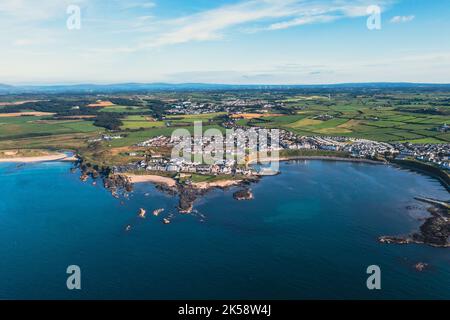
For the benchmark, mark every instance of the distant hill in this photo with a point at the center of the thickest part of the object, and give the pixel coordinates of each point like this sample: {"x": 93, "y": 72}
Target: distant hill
{"x": 5, "y": 86}
{"x": 143, "y": 87}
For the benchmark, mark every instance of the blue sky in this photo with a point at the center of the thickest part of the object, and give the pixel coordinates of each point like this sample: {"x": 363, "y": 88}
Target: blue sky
{"x": 224, "y": 41}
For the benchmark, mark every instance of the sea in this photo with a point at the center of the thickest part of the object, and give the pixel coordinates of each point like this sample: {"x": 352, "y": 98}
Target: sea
{"x": 310, "y": 232}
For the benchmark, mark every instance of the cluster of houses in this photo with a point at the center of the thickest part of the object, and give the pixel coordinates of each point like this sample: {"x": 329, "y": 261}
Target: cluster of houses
{"x": 359, "y": 148}
{"x": 180, "y": 165}
{"x": 188, "y": 107}
{"x": 160, "y": 141}
{"x": 437, "y": 154}
{"x": 237, "y": 145}
{"x": 105, "y": 137}
{"x": 444, "y": 128}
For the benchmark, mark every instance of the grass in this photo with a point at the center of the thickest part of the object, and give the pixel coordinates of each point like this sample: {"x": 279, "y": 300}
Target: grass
{"x": 313, "y": 153}
{"x": 357, "y": 120}
{"x": 135, "y": 137}
{"x": 304, "y": 123}
{"x": 5, "y": 154}
{"x": 55, "y": 142}
{"x": 137, "y": 122}
{"x": 21, "y": 127}
{"x": 198, "y": 178}
{"x": 379, "y": 117}
{"x": 124, "y": 109}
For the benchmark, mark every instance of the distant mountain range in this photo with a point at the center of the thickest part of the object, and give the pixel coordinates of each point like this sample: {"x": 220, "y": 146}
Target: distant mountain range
{"x": 143, "y": 87}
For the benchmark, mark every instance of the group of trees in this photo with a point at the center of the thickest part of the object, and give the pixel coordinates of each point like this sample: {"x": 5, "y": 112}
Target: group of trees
{"x": 108, "y": 120}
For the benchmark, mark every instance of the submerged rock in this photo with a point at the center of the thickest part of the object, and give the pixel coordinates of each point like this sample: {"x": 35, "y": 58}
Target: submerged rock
{"x": 241, "y": 195}
{"x": 142, "y": 213}
{"x": 157, "y": 212}
{"x": 421, "y": 266}
{"x": 394, "y": 240}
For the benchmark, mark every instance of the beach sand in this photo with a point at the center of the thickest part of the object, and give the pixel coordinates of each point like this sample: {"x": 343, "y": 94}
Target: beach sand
{"x": 151, "y": 178}
{"x": 50, "y": 157}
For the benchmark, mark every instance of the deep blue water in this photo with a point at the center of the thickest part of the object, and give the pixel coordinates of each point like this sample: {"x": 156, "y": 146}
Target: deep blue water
{"x": 311, "y": 232}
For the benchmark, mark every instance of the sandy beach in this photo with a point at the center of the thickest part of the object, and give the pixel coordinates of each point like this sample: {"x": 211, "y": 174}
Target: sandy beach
{"x": 51, "y": 157}
{"x": 151, "y": 178}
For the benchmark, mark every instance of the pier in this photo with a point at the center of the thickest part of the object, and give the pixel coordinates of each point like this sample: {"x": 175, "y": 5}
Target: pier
{"x": 444, "y": 204}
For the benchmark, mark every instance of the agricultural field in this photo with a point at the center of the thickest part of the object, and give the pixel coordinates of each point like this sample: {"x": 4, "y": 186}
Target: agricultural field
{"x": 70, "y": 122}
{"x": 141, "y": 122}
{"x": 363, "y": 119}
{"x": 123, "y": 109}
{"x": 14, "y": 127}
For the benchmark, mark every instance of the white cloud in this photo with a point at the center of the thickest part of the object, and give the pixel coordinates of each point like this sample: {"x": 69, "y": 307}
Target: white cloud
{"x": 25, "y": 42}
{"x": 301, "y": 21}
{"x": 32, "y": 10}
{"x": 402, "y": 19}
{"x": 212, "y": 24}
{"x": 139, "y": 5}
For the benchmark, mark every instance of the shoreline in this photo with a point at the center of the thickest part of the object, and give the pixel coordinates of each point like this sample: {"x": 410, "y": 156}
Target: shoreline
{"x": 426, "y": 170}
{"x": 152, "y": 178}
{"x": 46, "y": 158}
{"x": 226, "y": 183}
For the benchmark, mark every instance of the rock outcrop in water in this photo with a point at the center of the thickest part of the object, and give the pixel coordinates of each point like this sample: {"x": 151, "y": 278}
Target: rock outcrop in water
{"x": 421, "y": 266}
{"x": 113, "y": 182}
{"x": 188, "y": 195}
{"x": 244, "y": 194}
{"x": 434, "y": 232}
{"x": 119, "y": 184}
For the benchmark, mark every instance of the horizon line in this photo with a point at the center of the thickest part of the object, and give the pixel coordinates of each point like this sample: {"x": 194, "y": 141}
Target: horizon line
{"x": 212, "y": 83}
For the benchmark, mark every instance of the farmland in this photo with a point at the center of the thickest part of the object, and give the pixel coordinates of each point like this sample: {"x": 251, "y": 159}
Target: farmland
{"x": 70, "y": 122}
{"x": 363, "y": 118}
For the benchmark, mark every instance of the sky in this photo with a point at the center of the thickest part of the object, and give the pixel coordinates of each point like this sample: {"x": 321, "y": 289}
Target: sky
{"x": 224, "y": 41}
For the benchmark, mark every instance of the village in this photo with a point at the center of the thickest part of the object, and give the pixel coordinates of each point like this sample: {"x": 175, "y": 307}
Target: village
{"x": 232, "y": 154}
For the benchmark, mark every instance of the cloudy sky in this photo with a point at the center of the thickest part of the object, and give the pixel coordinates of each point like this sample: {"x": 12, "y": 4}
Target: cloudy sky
{"x": 223, "y": 41}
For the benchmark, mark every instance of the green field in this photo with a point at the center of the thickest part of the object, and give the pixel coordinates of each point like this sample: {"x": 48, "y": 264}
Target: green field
{"x": 389, "y": 116}
{"x": 142, "y": 135}
{"x": 138, "y": 122}
{"x": 11, "y": 127}
{"x": 123, "y": 109}
{"x": 355, "y": 120}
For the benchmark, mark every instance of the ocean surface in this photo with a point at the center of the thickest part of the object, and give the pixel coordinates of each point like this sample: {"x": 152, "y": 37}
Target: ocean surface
{"x": 310, "y": 233}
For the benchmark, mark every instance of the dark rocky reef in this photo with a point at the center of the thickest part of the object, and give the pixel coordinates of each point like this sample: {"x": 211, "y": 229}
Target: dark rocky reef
{"x": 113, "y": 182}
{"x": 244, "y": 194}
{"x": 117, "y": 182}
{"x": 435, "y": 231}
{"x": 188, "y": 194}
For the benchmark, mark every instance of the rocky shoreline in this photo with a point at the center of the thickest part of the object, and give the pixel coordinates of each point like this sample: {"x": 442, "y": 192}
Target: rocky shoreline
{"x": 121, "y": 184}
{"x": 435, "y": 231}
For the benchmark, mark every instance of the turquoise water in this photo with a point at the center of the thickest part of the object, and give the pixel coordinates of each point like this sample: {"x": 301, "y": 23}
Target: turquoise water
{"x": 311, "y": 232}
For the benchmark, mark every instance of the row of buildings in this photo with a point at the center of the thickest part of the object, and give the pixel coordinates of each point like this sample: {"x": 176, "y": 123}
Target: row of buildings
{"x": 242, "y": 141}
